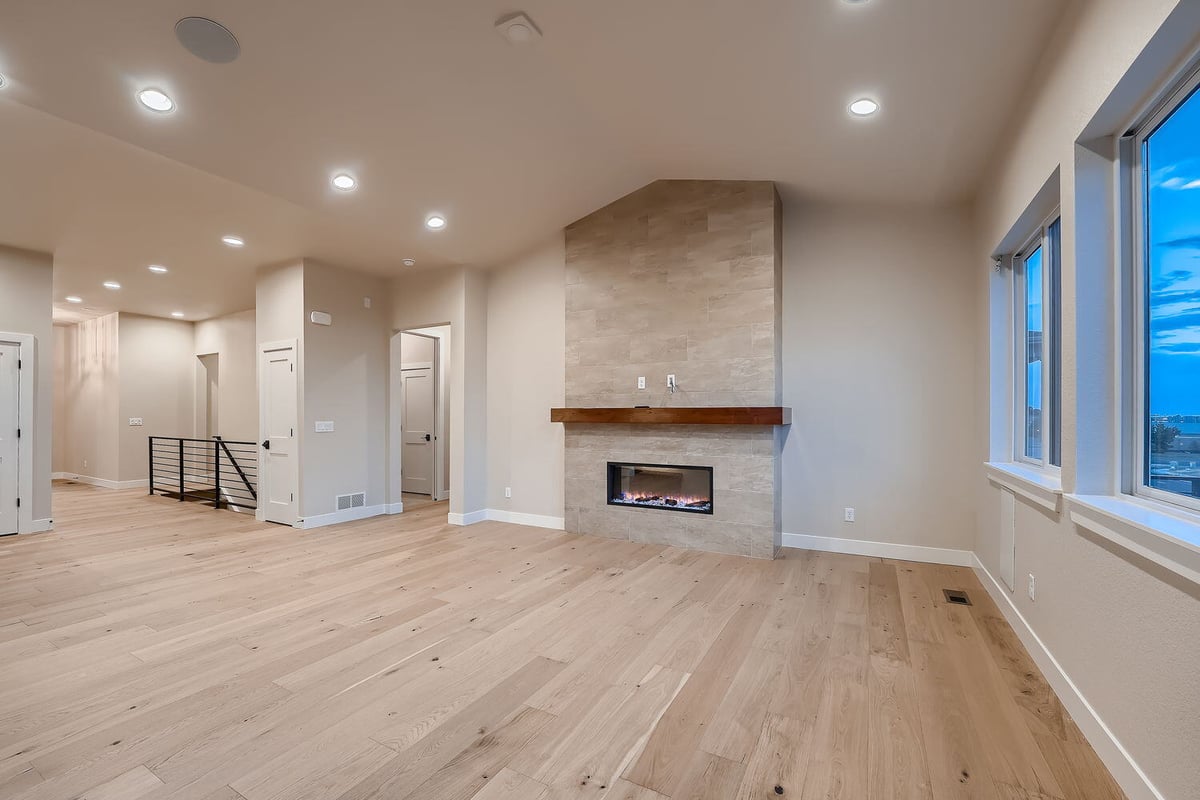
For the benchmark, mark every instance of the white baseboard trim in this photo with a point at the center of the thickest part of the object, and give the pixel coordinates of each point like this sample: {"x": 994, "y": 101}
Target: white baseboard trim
{"x": 60, "y": 476}
{"x": 1132, "y": 780}
{"x": 470, "y": 518}
{"x": 900, "y": 552}
{"x": 103, "y": 483}
{"x": 346, "y": 515}
{"x": 395, "y": 508}
{"x": 520, "y": 518}
{"x": 40, "y": 526}
{"x": 512, "y": 517}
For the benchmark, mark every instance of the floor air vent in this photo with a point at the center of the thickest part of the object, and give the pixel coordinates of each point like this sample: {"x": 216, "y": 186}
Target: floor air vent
{"x": 956, "y": 596}
{"x": 347, "y": 501}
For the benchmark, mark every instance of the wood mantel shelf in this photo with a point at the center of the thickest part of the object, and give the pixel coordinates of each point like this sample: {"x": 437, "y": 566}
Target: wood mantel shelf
{"x": 713, "y": 415}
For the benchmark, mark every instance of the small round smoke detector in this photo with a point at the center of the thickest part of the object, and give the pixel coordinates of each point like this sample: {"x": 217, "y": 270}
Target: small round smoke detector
{"x": 207, "y": 40}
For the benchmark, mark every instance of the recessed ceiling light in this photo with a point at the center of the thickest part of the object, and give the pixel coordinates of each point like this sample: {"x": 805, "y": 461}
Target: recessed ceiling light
{"x": 518, "y": 29}
{"x": 73, "y": 299}
{"x": 408, "y": 262}
{"x": 435, "y": 222}
{"x": 864, "y": 107}
{"x": 111, "y": 285}
{"x": 177, "y": 314}
{"x": 234, "y": 241}
{"x": 156, "y": 100}
{"x": 344, "y": 182}
{"x": 157, "y": 269}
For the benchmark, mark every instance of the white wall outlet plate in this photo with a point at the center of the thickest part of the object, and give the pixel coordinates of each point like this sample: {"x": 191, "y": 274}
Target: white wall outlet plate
{"x": 366, "y": 302}
{"x": 642, "y": 382}
{"x": 324, "y": 426}
{"x": 849, "y": 515}
{"x": 508, "y": 491}
{"x": 135, "y": 422}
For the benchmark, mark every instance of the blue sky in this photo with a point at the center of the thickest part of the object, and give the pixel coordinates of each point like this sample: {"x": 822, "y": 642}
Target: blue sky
{"x": 1173, "y": 168}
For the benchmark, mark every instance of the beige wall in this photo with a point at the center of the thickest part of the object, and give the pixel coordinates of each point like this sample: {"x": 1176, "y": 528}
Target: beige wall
{"x": 525, "y": 357}
{"x": 232, "y": 338}
{"x": 345, "y": 381}
{"x": 113, "y": 368}
{"x": 90, "y": 439}
{"x": 26, "y": 280}
{"x": 878, "y": 349}
{"x": 155, "y": 378}
{"x": 1125, "y": 631}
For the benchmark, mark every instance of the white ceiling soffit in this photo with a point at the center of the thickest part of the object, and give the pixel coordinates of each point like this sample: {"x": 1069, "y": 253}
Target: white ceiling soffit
{"x": 433, "y": 112}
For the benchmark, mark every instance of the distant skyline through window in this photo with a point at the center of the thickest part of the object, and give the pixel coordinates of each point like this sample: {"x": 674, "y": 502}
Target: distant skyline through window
{"x": 1172, "y": 180}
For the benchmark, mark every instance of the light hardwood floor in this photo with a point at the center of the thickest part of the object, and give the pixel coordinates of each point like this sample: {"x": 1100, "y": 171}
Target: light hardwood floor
{"x": 155, "y": 649}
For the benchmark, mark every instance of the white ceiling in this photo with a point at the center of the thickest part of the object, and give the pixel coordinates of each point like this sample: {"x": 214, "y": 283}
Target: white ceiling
{"x": 434, "y": 111}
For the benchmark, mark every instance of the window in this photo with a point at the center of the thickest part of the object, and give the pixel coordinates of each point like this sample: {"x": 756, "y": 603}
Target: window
{"x": 1166, "y": 414}
{"x": 1037, "y": 311}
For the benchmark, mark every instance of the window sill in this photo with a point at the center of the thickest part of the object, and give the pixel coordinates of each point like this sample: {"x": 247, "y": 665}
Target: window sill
{"x": 1038, "y": 487}
{"x": 1168, "y": 540}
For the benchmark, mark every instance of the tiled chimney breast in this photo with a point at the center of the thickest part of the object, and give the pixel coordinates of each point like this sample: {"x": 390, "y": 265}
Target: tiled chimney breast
{"x": 683, "y": 278}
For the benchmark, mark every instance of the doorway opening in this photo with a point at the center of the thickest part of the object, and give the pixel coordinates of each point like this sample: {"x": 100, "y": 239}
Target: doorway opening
{"x": 424, "y": 411}
{"x": 10, "y": 425}
{"x": 207, "y": 383}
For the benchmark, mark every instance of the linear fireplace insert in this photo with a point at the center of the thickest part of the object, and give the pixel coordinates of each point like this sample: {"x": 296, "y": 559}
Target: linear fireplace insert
{"x": 667, "y": 487}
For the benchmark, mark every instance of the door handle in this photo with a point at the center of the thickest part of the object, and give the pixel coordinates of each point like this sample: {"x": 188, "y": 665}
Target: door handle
{"x": 266, "y": 444}
{"x": 428, "y": 437}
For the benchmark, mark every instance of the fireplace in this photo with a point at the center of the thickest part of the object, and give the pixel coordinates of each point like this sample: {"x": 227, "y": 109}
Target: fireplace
{"x": 666, "y": 487}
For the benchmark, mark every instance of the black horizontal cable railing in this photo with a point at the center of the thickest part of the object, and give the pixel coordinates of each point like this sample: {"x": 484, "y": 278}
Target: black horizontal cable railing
{"x": 222, "y": 472}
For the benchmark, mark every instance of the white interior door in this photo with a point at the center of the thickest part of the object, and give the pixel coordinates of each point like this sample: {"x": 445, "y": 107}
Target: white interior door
{"x": 417, "y": 426}
{"x": 10, "y": 385}
{"x": 278, "y": 457}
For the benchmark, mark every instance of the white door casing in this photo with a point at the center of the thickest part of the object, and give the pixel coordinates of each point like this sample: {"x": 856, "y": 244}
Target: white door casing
{"x": 418, "y": 424}
{"x": 278, "y": 493}
{"x": 10, "y": 423}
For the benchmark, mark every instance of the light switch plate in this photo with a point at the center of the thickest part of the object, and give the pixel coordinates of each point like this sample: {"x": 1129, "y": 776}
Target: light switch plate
{"x": 324, "y": 426}
{"x": 135, "y": 422}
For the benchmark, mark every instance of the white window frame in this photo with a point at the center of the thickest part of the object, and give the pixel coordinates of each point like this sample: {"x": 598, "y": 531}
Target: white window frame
{"x": 1135, "y": 472}
{"x": 1050, "y": 404}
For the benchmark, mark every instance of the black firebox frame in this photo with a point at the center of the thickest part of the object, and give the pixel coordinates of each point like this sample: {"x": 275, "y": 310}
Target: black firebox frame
{"x": 614, "y": 470}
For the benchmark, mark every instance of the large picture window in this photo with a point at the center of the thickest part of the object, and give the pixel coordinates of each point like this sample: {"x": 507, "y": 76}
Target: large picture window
{"x": 1036, "y": 283}
{"x": 1167, "y": 295}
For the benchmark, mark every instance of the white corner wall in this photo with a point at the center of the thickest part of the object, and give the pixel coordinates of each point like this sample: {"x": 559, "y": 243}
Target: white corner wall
{"x": 526, "y": 357}
{"x": 456, "y": 296}
{"x": 26, "y": 292}
{"x": 155, "y": 380}
{"x": 345, "y": 381}
{"x": 878, "y": 348}
{"x": 232, "y": 337}
{"x": 1118, "y": 636}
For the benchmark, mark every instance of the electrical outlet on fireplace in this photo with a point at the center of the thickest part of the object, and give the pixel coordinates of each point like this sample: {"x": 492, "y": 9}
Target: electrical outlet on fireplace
{"x": 1032, "y": 587}
{"x": 849, "y": 515}
{"x": 642, "y": 382}
{"x": 508, "y": 491}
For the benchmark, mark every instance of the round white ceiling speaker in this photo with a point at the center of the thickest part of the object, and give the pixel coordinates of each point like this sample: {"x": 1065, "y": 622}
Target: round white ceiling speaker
{"x": 207, "y": 40}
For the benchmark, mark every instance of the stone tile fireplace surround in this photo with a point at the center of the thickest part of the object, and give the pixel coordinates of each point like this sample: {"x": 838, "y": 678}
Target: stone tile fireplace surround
{"x": 683, "y": 278}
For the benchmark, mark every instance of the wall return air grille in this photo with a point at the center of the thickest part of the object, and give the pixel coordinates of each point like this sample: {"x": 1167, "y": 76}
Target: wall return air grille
{"x": 348, "y": 501}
